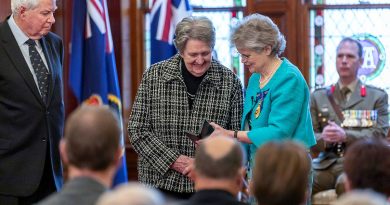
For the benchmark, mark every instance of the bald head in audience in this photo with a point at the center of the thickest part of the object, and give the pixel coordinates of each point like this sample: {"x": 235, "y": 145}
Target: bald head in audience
{"x": 219, "y": 165}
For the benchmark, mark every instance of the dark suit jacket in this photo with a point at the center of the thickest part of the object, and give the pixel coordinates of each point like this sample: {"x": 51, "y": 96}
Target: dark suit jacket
{"x": 27, "y": 124}
{"x": 80, "y": 190}
{"x": 212, "y": 197}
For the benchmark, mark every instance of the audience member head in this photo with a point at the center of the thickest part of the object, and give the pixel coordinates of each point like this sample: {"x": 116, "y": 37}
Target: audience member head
{"x": 132, "y": 194}
{"x": 367, "y": 165}
{"x": 255, "y": 32}
{"x": 281, "y": 174}
{"x": 361, "y": 197}
{"x": 349, "y": 58}
{"x": 219, "y": 164}
{"x": 91, "y": 140}
{"x": 34, "y": 17}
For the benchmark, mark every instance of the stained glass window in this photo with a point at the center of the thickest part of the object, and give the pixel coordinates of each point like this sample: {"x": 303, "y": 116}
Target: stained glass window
{"x": 368, "y": 24}
{"x": 354, "y": 2}
{"x": 330, "y": 26}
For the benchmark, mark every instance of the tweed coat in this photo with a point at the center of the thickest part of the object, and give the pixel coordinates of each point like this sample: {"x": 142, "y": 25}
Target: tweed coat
{"x": 161, "y": 116}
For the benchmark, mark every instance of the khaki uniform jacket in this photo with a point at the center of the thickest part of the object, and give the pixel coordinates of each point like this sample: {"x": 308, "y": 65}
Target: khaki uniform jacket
{"x": 375, "y": 99}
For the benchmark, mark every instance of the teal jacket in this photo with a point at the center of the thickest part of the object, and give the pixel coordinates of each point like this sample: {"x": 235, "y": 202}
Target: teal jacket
{"x": 285, "y": 110}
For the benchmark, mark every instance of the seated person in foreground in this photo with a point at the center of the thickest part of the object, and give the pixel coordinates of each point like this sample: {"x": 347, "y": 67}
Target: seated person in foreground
{"x": 280, "y": 175}
{"x": 367, "y": 166}
{"x": 218, "y": 172}
{"x": 91, "y": 150}
{"x": 361, "y": 197}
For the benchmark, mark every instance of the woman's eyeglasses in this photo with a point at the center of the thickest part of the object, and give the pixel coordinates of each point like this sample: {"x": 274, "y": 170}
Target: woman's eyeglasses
{"x": 245, "y": 57}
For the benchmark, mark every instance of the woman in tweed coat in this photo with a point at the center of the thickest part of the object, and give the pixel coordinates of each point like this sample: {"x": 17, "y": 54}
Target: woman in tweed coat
{"x": 175, "y": 97}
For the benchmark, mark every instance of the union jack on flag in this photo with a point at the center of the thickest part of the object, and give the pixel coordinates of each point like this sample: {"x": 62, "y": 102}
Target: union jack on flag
{"x": 92, "y": 74}
{"x": 165, "y": 14}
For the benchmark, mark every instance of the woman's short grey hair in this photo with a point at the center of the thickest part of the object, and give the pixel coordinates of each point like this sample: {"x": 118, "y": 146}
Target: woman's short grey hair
{"x": 194, "y": 27}
{"x": 257, "y": 31}
{"x": 17, "y": 4}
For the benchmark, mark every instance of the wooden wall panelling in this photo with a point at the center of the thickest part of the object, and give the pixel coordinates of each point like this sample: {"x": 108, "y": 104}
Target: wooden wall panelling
{"x": 134, "y": 66}
{"x": 302, "y": 39}
{"x": 5, "y": 9}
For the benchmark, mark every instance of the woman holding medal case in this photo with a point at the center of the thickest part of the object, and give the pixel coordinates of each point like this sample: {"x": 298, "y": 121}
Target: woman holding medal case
{"x": 276, "y": 105}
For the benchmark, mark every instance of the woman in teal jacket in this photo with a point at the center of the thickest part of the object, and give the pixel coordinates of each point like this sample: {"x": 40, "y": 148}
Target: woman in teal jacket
{"x": 276, "y": 105}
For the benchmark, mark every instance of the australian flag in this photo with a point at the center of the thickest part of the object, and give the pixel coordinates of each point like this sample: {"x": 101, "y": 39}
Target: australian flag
{"x": 165, "y": 14}
{"x": 93, "y": 75}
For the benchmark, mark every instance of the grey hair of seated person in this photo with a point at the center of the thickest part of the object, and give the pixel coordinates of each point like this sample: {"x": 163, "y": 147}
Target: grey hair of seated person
{"x": 361, "y": 197}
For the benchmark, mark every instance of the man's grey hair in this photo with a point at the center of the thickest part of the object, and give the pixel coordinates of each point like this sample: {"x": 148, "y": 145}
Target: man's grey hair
{"x": 196, "y": 28}
{"x": 28, "y": 4}
{"x": 17, "y": 4}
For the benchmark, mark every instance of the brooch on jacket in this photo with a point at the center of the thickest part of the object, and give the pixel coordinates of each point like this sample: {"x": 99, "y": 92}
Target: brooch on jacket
{"x": 260, "y": 97}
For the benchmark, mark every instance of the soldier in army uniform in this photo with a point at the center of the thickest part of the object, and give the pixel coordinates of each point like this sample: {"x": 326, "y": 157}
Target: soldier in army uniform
{"x": 343, "y": 113}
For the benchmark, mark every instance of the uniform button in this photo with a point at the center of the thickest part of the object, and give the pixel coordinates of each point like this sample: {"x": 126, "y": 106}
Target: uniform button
{"x": 43, "y": 139}
{"x": 47, "y": 113}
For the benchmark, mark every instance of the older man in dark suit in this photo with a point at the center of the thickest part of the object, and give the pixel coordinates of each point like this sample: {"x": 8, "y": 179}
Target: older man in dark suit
{"x": 343, "y": 113}
{"x": 31, "y": 103}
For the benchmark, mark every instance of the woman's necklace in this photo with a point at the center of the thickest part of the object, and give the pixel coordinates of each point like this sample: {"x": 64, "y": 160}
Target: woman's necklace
{"x": 264, "y": 79}
{"x": 262, "y": 82}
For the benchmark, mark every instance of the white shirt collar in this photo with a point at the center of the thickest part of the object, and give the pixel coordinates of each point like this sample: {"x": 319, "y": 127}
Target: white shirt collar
{"x": 19, "y": 35}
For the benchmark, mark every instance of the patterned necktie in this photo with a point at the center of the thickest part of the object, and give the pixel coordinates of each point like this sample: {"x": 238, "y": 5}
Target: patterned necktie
{"x": 40, "y": 69}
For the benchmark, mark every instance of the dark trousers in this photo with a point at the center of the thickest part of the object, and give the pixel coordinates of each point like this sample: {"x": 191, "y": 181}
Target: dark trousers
{"x": 45, "y": 188}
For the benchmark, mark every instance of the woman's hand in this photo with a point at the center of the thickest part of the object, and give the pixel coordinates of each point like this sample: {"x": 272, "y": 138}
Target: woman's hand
{"x": 220, "y": 131}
